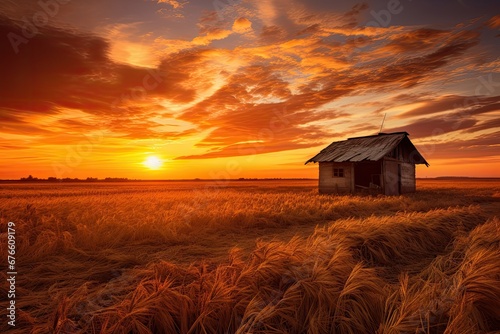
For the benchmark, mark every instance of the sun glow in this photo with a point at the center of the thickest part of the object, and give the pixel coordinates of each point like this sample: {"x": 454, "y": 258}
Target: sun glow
{"x": 153, "y": 162}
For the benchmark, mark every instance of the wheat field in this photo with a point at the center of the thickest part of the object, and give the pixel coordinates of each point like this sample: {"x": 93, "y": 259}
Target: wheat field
{"x": 252, "y": 257}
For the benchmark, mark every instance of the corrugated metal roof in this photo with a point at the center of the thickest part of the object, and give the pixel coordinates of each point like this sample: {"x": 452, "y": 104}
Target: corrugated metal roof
{"x": 370, "y": 148}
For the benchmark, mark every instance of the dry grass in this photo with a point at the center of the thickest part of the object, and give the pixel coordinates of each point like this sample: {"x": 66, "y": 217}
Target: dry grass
{"x": 254, "y": 257}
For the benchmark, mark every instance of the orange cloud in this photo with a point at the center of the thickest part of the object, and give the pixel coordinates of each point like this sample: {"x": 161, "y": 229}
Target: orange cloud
{"x": 242, "y": 25}
{"x": 212, "y": 35}
{"x": 494, "y": 22}
{"x": 175, "y": 4}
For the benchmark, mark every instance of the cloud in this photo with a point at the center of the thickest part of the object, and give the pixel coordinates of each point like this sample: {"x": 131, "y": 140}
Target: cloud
{"x": 212, "y": 35}
{"x": 481, "y": 146}
{"x": 272, "y": 33}
{"x": 430, "y": 127}
{"x": 127, "y": 46}
{"x": 472, "y": 105}
{"x": 267, "y": 11}
{"x": 61, "y": 70}
{"x": 416, "y": 40}
{"x": 169, "y": 13}
{"x": 51, "y": 63}
{"x": 494, "y": 22}
{"x": 486, "y": 125}
{"x": 166, "y": 47}
{"x": 175, "y": 4}
{"x": 174, "y": 11}
{"x": 323, "y": 62}
{"x": 241, "y": 108}
{"x": 247, "y": 149}
{"x": 242, "y": 25}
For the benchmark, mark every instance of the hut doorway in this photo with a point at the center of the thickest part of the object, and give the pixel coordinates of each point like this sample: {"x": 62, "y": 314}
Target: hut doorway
{"x": 368, "y": 175}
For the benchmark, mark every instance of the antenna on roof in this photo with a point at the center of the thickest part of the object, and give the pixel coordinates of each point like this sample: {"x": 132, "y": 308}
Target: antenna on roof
{"x": 382, "y": 125}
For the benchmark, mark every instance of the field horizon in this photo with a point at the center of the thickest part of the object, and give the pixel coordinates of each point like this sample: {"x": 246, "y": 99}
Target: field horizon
{"x": 197, "y": 179}
{"x": 267, "y": 256}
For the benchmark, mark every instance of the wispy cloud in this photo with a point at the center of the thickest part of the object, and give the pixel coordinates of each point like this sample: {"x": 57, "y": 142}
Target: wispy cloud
{"x": 175, "y": 4}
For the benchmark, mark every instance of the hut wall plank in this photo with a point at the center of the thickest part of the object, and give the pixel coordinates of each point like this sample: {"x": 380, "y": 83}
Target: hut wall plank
{"x": 391, "y": 179}
{"x": 408, "y": 183}
{"x": 330, "y": 184}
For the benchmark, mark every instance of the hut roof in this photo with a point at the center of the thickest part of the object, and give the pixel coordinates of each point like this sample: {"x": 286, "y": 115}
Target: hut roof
{"x": 369, "y": 148}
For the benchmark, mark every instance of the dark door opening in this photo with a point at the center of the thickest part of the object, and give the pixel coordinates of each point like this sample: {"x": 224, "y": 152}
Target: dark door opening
{"x": 368, "y": 175}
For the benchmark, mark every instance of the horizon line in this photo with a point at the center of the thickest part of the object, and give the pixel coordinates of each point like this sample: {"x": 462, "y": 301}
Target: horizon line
{"x": 124, "y": 179}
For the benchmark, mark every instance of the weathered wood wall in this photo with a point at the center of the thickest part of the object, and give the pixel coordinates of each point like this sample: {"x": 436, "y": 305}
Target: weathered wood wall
{"x": 330, "y": 184}
{"x": 408, "y": 182}
{"x": 398, "y": 177}
{"x": 391, "y": 177}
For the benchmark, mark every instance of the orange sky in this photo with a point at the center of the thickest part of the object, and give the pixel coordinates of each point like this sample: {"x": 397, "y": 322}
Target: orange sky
{"x": 243, "y": 88}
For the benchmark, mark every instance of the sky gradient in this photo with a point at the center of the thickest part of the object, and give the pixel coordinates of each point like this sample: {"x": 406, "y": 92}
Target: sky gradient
{"x": 236, "y": 88}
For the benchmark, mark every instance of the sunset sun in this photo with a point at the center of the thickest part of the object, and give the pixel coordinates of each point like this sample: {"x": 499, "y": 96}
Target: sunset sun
{"x": 153, "y": 162}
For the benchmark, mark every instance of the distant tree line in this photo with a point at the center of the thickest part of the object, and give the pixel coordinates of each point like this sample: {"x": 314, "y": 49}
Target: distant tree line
{"x": 30, "y": 178}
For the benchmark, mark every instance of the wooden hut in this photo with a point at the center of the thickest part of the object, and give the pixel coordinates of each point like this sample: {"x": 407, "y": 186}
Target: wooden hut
{"x": 383, "y": 163}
